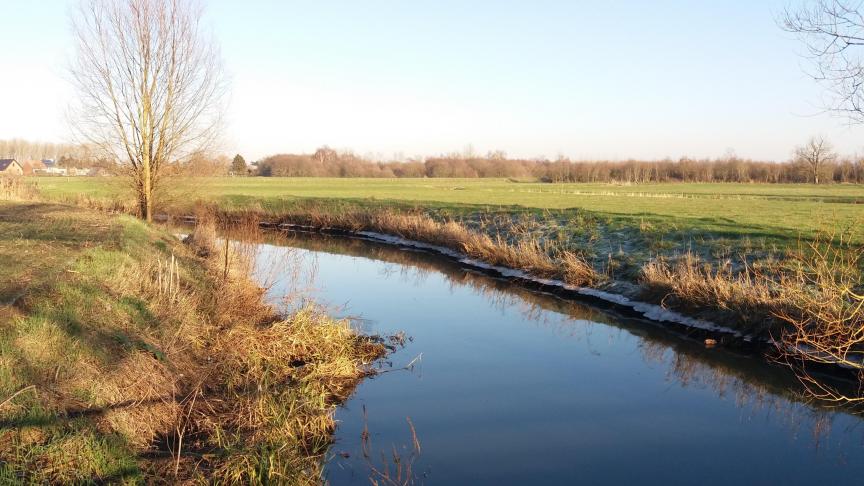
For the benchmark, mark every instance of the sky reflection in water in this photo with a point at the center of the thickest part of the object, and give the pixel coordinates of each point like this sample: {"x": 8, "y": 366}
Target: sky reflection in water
{"x": 516, "y": 387}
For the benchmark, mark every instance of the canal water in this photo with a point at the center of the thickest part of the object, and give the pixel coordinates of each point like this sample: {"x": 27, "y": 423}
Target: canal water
{"x": 510, "y": 386}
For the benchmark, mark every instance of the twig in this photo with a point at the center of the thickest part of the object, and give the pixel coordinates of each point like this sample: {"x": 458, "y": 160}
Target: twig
{"x": 407, "y": 367}
{"x": 33, "y": 387}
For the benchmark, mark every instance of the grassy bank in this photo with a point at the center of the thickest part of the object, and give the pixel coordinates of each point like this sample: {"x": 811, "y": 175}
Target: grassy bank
{"x": 126, "y": 357}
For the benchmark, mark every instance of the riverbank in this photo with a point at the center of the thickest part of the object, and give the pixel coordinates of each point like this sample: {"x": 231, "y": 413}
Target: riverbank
{"x": 798, "y": 306}
{"x": 770, "y": 263}
{"x": 128, "y": 356}
{"x": 507, "y": 249}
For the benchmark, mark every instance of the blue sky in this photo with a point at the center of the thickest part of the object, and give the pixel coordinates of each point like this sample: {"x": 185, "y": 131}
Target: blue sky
{"x": 611, "y": 79}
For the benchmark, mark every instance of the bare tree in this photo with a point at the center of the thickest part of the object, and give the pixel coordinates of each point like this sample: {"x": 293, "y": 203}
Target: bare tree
{"x": 150, "y": 85}
{"x": 814, "y": 155}
{"x": 833, "y": 33}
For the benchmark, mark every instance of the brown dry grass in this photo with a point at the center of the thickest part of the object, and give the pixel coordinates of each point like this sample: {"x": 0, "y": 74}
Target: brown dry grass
{"x": 272, "y": 384}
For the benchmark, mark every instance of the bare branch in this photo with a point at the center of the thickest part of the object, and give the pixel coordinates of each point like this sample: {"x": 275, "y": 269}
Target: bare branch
{"x": 832, "y": 32}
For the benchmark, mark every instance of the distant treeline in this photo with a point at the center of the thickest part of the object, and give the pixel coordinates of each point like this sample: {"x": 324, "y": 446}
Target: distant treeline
{"x": 65, "y": 154}
{"x": 326, "y": 162}
{"x": 329, "y": 163}
{"x": 21, "y": 149}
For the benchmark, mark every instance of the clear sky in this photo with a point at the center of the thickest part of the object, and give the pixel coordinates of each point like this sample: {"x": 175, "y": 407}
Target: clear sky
{"x": 598, "y": 79}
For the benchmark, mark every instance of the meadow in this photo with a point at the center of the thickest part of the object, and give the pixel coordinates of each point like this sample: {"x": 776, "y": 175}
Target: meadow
{"x": 774, "y": 211}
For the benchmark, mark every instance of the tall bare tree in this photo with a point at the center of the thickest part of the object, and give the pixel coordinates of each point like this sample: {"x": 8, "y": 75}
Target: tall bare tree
{"x": 814, "y": 155}
{"x": 150, "y": 85}
{"x": 833, "y": 35}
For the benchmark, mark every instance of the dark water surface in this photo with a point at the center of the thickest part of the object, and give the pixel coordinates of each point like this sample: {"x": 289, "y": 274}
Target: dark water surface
{"x": 516, "y": 387}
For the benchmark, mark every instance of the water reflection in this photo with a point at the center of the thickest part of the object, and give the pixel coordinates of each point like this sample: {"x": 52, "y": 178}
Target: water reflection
{"x": 521, "y": 387}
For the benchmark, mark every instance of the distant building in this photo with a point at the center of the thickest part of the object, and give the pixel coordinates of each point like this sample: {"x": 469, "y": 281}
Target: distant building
{"x": 10, "y": 167}
{"x": 50, "y": 167}
{"x": 33, "y": 167}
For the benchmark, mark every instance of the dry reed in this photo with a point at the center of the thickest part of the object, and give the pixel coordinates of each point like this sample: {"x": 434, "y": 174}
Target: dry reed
{"x": 13, "y": 188}
{"x": 691, "y": 285}
{"x": 525, "y": 254}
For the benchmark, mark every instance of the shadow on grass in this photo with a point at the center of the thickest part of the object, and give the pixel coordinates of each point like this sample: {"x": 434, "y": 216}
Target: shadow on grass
{"x": 51, "y": 223}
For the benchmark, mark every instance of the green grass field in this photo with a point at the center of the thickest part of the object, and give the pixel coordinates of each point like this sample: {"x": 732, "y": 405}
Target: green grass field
{"x": 778, "y": 211}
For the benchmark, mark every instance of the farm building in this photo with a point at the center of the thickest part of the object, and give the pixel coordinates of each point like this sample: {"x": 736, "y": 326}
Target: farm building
{"x": 10, "y": 167}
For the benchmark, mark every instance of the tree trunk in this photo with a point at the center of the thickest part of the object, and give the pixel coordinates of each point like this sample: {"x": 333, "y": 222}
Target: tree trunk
{"x": 149, "y": 216}
{"x": 145, "y": 205}
{"x": 147, "y": 193}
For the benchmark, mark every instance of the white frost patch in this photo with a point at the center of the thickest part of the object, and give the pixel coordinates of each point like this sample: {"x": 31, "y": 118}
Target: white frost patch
{"x": 396, "y": 240}
{"x": 657, "y": 313}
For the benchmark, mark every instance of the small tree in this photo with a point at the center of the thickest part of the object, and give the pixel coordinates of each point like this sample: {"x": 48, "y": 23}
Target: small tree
{"x": 238, "y": 165}
{"x": 149, "y": 86}
{"x": 814, "y": 155}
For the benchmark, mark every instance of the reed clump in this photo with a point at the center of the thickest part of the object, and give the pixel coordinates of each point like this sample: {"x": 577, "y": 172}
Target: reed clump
{"x": 203, "y": 236}
{"x": 284, "y": 380}
{"x": 748, "y": 297}
{"x": 527, "y": 254}
{"x": 267, "y": 398}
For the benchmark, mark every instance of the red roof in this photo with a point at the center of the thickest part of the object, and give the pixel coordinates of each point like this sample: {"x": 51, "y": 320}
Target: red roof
{"x": 35, "y": 164}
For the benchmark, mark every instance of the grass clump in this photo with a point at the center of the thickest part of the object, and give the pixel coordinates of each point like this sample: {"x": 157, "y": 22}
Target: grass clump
{"x": 129, "y": 357}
